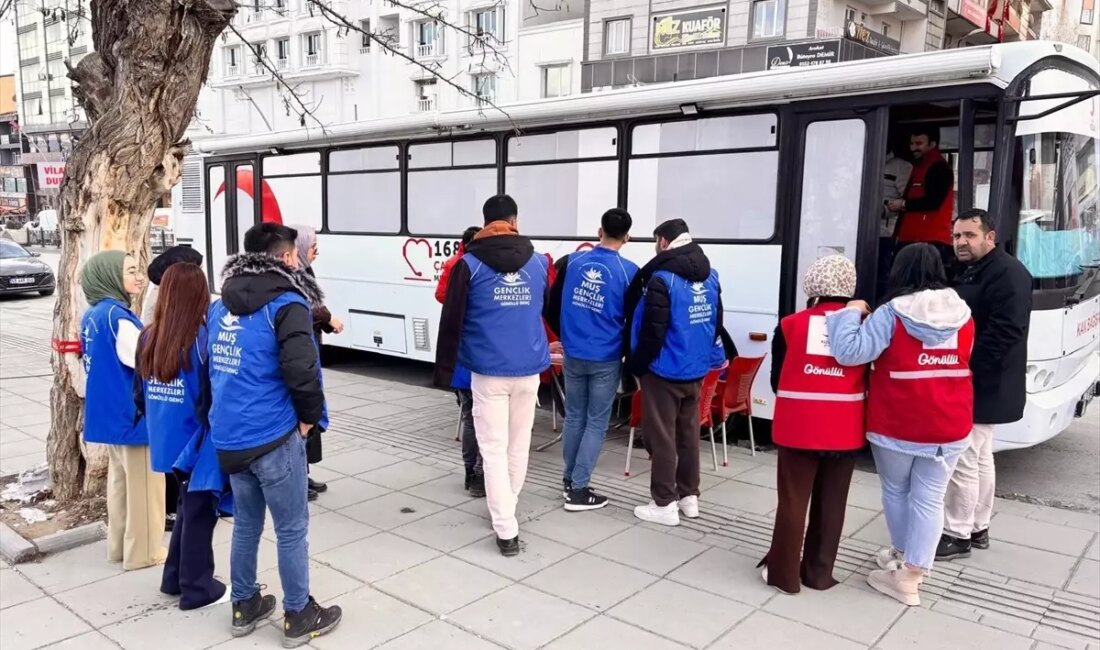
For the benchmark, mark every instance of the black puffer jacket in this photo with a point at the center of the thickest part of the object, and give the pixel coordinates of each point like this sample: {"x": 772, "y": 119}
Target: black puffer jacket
{"x": 998, "y": 290}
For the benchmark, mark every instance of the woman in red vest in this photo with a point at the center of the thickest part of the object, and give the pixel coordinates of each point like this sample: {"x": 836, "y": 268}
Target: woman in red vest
{"x": 919, "y": 409}
{"x": 818, "y": 428}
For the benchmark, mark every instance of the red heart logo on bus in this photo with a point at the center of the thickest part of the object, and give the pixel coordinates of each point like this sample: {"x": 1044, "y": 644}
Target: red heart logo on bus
{"x": 585, "y": 246}
{"x": 415, "y": 245}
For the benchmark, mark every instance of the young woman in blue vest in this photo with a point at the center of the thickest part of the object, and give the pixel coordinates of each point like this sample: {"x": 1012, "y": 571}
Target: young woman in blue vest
{"x": 920, "y": 406}
{"x": 109, "y": 333}
{"x": 818, "y": 430}
{"x": 173, "y": 391}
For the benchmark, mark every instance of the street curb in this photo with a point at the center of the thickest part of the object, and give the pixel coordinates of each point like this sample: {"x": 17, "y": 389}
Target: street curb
{"x": 13, "y": 548}
{"x": 68, "y": 539}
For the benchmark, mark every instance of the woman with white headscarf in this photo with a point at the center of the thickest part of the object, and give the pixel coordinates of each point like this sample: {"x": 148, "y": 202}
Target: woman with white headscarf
{"x": 323, "y": 323}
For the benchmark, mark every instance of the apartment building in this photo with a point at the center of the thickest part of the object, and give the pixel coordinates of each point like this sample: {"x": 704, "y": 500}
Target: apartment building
{"x": 1075, "y": 22}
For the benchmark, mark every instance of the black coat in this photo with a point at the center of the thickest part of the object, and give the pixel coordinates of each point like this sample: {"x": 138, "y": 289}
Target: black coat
{"x": 998, "y": 290}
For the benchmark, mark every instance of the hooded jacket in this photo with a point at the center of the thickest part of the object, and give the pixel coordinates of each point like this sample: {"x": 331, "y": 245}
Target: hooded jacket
{"x": 687, "y": 262}
{"x": 503, "y": 250}
{"x": 251, "y": 282}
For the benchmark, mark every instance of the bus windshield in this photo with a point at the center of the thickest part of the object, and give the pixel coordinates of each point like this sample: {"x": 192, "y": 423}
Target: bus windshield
{"x": 1059, "y": 234}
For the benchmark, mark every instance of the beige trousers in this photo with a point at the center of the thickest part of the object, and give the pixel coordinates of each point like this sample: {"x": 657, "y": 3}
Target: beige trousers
{"x": 968, "y": 504}
{"x": 135, "y": 508}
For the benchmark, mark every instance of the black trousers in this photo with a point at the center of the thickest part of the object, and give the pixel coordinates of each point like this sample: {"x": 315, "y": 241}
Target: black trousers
{"x": 189, "y": 569}
{"x": 171, "y": 493}
{"x": 471, "y": 453}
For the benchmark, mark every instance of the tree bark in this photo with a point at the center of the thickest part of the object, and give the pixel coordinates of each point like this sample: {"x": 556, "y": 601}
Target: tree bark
{"x": 139, "y": 90}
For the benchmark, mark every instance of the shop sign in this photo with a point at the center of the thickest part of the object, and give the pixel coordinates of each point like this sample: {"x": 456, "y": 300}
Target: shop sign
{"x": 50, "y": 175}
{"x": 803, "y": 55}
{"x": 854, "y": 31}
{"x": 689, "y": 28}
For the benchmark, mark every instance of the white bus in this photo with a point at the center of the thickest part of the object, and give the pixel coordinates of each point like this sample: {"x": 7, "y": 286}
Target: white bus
{"x": 771, "y": 170}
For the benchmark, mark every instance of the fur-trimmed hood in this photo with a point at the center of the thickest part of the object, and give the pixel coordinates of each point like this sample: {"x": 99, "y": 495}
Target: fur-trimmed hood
{"x": 251, "y": 280}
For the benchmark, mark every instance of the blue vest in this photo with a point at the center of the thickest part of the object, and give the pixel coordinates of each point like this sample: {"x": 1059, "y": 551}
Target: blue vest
{"x": 688, "y": 350}
{"x": 109, "y": 392}
{"x": 503, "y": 335}
{"x": 251, "y": 405}
{"x": 460, "y": 379}
{"x": 593, "y": 309}
{"x": 170, "y": 409}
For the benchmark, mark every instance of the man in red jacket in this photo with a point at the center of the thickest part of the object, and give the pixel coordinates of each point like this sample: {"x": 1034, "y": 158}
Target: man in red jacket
{"x": 929, "y": 203}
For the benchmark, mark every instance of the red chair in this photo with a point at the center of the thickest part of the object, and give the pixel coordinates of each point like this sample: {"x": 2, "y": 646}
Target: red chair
{"x": 735, "y": 396}
{"x": 635, "y": 422}
{"x": 706, "y": 416}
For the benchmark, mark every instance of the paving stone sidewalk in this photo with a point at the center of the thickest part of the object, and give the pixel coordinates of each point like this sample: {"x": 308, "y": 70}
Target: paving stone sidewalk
{"x": 411, "y": 559}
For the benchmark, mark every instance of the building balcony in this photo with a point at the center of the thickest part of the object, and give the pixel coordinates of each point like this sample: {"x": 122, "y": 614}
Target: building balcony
{"x": 428, "y": 50}
{"x": 426, "y": 104}
{"x": 333, "y": 64}
{"x": 903, "y": 10}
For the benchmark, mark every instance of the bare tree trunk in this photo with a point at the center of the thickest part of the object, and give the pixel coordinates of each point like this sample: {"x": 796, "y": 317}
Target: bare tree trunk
{"x": 139, "y": 90}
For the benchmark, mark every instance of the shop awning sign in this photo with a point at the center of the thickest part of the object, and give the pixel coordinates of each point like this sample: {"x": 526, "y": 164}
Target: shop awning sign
{"x": 689, "y": 28}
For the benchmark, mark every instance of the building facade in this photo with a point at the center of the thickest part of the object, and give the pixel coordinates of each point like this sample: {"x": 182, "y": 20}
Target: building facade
{"x": 1075, "y": 22}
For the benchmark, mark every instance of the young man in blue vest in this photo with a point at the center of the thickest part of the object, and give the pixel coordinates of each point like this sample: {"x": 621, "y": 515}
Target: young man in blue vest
{"x": 265, "y": 379}
{"x": 587, "y": 311}
{"x": 676, "y": 307}
{"x": 492, "y": 325}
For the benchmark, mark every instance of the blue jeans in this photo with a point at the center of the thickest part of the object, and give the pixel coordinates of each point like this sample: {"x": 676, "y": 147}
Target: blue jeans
{"x": 590, "y": 388}
{"x": 912, "y": 501}
{"x": 277, "y": 481}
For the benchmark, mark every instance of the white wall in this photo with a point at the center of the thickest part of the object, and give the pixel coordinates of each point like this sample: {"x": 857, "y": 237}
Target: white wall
{"x": 556, "y": 43}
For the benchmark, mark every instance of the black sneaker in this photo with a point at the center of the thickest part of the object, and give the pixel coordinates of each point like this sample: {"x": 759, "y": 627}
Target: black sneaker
{"x": 508, "y": 547}
{"x": 477, "y": 486}
{"x": 980, "y": 539}
{"x": 566, "y": 488}
{"x": 584, "y": 499}
{"x": 299, "y": 628}
{"x": 317, "y": 486}
{"x": 952, "y": 548}
{"x": 247, "y": 613}
{"x": 311, "y": 494}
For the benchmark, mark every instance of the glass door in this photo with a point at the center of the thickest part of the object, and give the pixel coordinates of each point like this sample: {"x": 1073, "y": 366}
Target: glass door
{"x": 231, "y": 211}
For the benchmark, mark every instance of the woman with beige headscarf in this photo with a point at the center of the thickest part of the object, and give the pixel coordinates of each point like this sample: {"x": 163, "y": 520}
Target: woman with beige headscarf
{"x": 817, "y": 428}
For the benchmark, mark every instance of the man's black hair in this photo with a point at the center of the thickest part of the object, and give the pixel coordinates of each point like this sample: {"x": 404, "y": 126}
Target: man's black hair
{"x": 670, "y": 229}
{"x": 469, "y": 233}
{"x": 499, "y": 208}
{"x": 930, "y": 132}
{"x": 616, "y": 223}
{"x": 979, "y": 214}
{"x": 917, "y": 267}
{"x": 271, "y": 238}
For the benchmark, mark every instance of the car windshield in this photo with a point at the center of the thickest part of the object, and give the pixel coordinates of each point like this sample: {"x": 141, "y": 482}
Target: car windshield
{"x": 9, "y": 250}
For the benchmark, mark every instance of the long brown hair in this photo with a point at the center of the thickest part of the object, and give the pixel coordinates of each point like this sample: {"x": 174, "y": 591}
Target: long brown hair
{"x": 181, "y": 310}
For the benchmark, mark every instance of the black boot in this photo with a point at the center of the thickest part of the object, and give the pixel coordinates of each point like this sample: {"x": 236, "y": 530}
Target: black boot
{"x": 952, "y": 548}
{"x": 566, "y": 487}
{"x": 317, "y": 486}
{"x": 247, "y": 613}
{"x": 311, "y": 494}
{"x": 508, "y": 547}
{"x": 980, "y": 539}
{"x": 477, "y": 486}
{"x": 299, "y": 628}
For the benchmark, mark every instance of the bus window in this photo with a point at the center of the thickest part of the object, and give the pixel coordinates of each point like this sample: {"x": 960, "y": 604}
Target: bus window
{"x": 294, "y": 180}
{"x": 563, "y": 181}
{"x": 364, "y": 190}
{"x": 720, "y": 174}
{"x": 448, "y": 183}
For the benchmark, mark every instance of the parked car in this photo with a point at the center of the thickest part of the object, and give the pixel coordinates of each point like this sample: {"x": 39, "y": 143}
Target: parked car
{"x": 22, "y": 272}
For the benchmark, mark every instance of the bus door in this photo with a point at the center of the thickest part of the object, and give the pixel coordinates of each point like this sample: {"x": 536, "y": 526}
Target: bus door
{"x": 232, "y": 210}
{"x": 834, "y": 170}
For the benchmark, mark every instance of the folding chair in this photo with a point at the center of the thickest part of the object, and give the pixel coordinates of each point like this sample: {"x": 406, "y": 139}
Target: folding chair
{"x": 736, "y": 397}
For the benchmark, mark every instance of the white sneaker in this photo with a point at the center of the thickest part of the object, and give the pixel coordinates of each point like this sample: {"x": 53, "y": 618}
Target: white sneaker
{"x": 689, "y": 507}
{"x": 666, "y": 516}
{"x": 221, "y": 601}
{"x": 888, "y": 559}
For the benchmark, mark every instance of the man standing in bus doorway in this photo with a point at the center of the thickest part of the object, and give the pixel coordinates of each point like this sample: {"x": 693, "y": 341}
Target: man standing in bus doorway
{"x": 997, "y": 287}
{"x": 675, "y": 305}
{"x": 929, "y": 201}
{"x": 587, "y": 311}
{"x": 492, "y": 324}
{"x": 895, "y": 180}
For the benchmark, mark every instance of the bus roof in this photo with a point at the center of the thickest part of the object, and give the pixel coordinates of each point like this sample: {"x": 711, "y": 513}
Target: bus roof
{"x": 995, "y": 64}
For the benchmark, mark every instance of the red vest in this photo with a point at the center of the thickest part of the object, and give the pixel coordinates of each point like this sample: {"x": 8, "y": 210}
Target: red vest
{"x": 933, "y": 225}
{"x": 820, "y": 403}
{"x": 923, "y": 394}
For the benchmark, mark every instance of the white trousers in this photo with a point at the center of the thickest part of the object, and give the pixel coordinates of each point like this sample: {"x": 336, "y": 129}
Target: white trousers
{"x": 968, "y": 504}
{"x": 504, "y": 413}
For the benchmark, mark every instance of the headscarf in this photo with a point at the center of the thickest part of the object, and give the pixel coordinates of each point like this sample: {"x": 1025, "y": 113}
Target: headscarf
{"x": 833, "y": 276}
{"x": 307, "y": 236}
{"x": 102, "y": 277}
{"x": 174, "y": 255}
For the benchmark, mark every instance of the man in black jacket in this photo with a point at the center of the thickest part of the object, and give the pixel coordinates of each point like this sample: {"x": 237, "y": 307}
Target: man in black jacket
{"x": 997, "y": 287}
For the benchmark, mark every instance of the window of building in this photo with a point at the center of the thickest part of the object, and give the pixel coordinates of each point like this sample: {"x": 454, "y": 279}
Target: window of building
{"x": 364, "y": 38}
{"x": 849, "y": 14}
{"x": 1084, "y": 41}
{"x": 563, "y": 180}
{"x": 938, "y": 7}
{"x": 232, "y": 57}
{"x": 769, "y": 18}
{"x": 616, "y": 37}
{"x": 485, "y": 87}
{"x": 427, "y": 97}
{"x": 1087, "y": 14}
{"x": 257, "y": 57}
{"x": 279, "y": 6}
{"x": 282, "y": 53}
{"x": 555, "y": 80}
{"x": 485, "y": 27}
{"x": 447, "y": 182}
{"x": 886, "y": 29}
{"x": 427, "y": 39}
{"x": 722, "y": 171}
{"x": 55, "y": 32}
{"x": 371, "y": 172}
{"x": 312, "y": 51}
